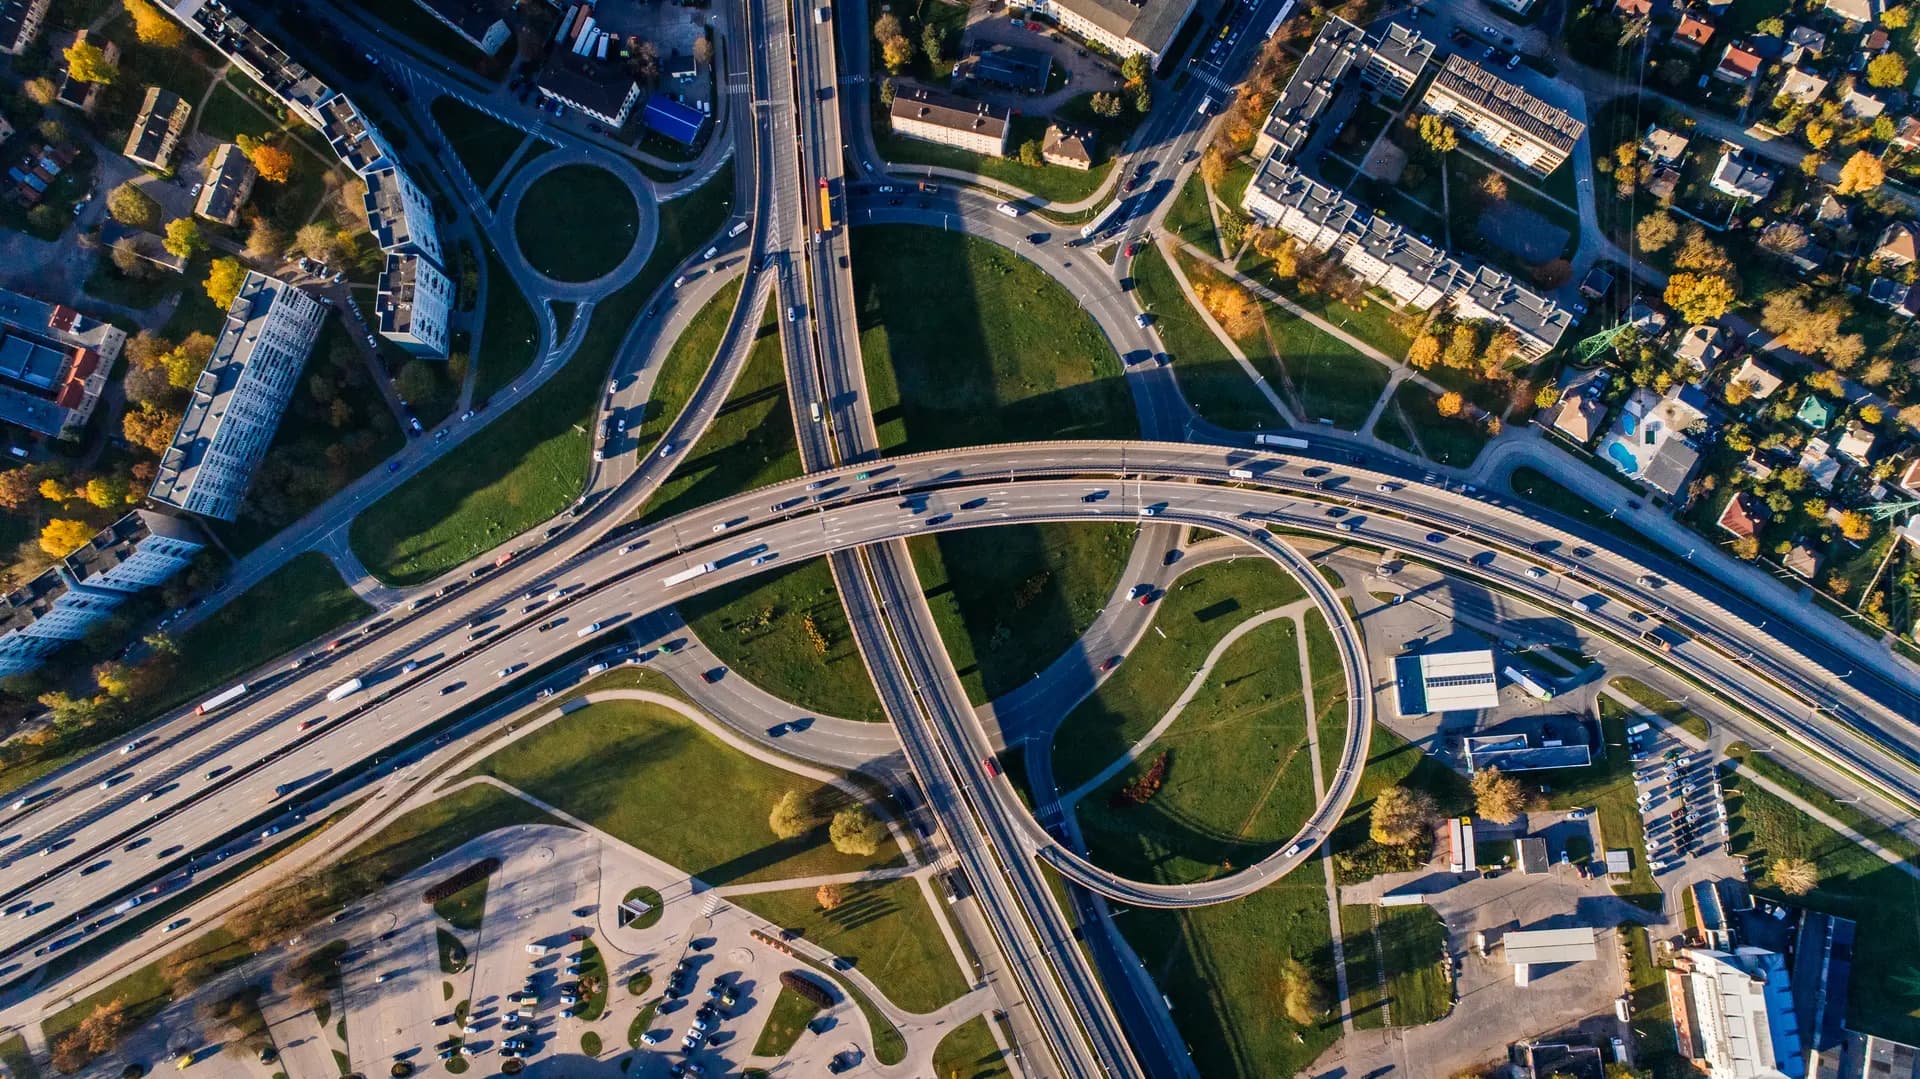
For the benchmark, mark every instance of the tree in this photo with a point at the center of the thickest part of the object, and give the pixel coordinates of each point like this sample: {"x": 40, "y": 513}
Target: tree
{"x": 1698, "y": 252}
{"x": 1855, "y": 525}
{"x": 896, "y": 53}
{"x": 1134, "y": 70}
{"x": 62, "y": 537}
{"x": 1232, "y": 306}
{"x": 183, "y": 238}
{"x": 1656, "y": 231}
{"x": 1896, "y": 17}
{"x": 1143, "y": 100}
{"x": 855, "y": 831}
{"x": 1784, "y": 238}
{"x": 1746, "y": 548}
{"x": 1862, "y": 172}
{"x": 1401, "y": 816}
{"x": 265, "y": 240}
{"x": 152, "y": 27}
{"x": 792, "y": 816}
{"x": 1818, "y": 133}
{"x": 126, "y": 257}
{"x": 318, "y": 242}
{"x": 1424, "y": 351}
{"x": 18, "y": 488}
{"x": 1030, "y": 154}
{"x": 1105, "y": 104}
{"x": 1794, "y": 876}
{"x": 133, "y": 207}
{"x": 93, "y": 1037}
{"x": 415, "y": 381}
{"x": 1449, "y": 404}
{"x": 1886, "y": 70}
{"x": 1772, "y": 27}
{"x": 108, "y": 492}
{"x": 54, "y": 491}
{"x": 933, "y": 42}
{"x": 1845, "y": 350}
{"x": 886, "y": 93}
{"x": 1438, "y": 134}
{"x": 149, "y": 427}
{"x": 886, "y": 26}
{"x": 184, "y": 362}
{"x": 1302, "y": 996}
{"x": 1699, "y": 297}
{"x": 1497, "y": 796}
{"x": 41, "y": 91}
{"x": 86, "y": 62}
{"x": 703, "y": 50}
{"x": 829, "y": 895}
{"x": 1213, "y": 166}
{"x": 272, "y": 163}
{"x": 224, "y": 278}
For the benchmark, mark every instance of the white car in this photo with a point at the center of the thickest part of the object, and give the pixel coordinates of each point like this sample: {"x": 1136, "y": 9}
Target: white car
{"x": 1536, "y": 572}
{"x": 503, "y": 672}
{"x": 592, "y": 627}
{"x": 651, "y": 1037}
{"x": 666, "y": 450}
{"x": 681, "y": 280}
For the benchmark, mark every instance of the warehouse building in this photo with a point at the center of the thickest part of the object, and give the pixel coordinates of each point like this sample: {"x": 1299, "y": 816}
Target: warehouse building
{"x": 1445, "y": 682}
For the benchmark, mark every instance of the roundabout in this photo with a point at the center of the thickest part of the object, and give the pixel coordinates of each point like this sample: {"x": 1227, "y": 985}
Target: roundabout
{"x": 584, "y": 228}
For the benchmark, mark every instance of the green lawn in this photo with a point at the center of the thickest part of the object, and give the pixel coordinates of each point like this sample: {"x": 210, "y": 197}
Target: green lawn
{"x": 1447, "y": 440}
{"x": 1885, "y": 990}
{"x": 576, "y": 223}
{"x": 765, "y": 627}
{"x": 968, "y": 1051}
{"x": 1372, "y": 321}
{"x": 750, "y": 442}
{"x": 464, "y": 909}
{"x": 453, "y": 954}
{"x": 1054, "y": 183}
{"x": 508, "y": 332}
{"x": 1660, "y": 704}
{"x": 885, "y": 928}
{"x": 1536, "y": 486}
{"x": 685, "y": 365}
{"x": 788, "y": 1020}
{"x": 1847, "y": 813}
{"x": 1005, "y": 355}
{"x": 1649, "y": 1011}
{"x": 1606, "y": 787}
{"x": 1190, "y": 218}
{"x": 634, "y": 770}
{"x": 529, "y": 464}
{"x": 594, "y": 968}
{"x": 1329, "y": 692}
{"x": 1239, "y": 780}
{"x": 1212, "y": 381}
{"x": 1407, "y": 947}
{"x": 424, "y": 32}
{"x": 1009, "y": 600}
{"x": 1216, "y": 966}
{"x": 483, "y": 144}
{"x": 1201, "y": 607}
{"x": 1333, "y": 380}
{"x": 16, "y": 1059}
{"x": 302, "y": 600}
{"x": 1391, "y": 761}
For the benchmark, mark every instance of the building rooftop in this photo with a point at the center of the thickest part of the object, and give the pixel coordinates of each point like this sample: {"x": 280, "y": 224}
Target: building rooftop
{"x": 28, "y": 603}
{"x": 1402, "y": 47}
{"x": 49, "y": 355}
{"x": 15, "y": 17}
{"x": 1743, "y": 1003}
{"x": 1692, "y": 31}
{"x": 161, "y": 115}
{"x": 1151, "y": 23}
{"x": 672, "y": 119}
{"x": 1531, "y": 946}
{"x": 1026, "y": 70}
{"x": 1446, "y": 682}
{"x": 1334, "y": 52}
{"x": 228, "y": 181}
{"x": 394, "y": 303}
{"x": 1070, "y": 143}
{"x": 930, "y": 106}
{"x": 1508, "y": 103}
{"x": 1530, "y": 854}
{"x": 257, "y": 53}
{"x": 117, "y": 542}
{"x": 386, "y": 208}
{"x": 473, "y": 17}
{"x": 353, "y": 139}
{"x": 1513, "y": 753}
{"x": 600, "y": 87}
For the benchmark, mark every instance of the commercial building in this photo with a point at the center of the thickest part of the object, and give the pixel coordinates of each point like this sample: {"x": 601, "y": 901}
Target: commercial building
{"x": 157, "y": 130}
{"x": 1128, "y": 27}
{"x": 1517, "y": 753}
{"x": 1023, "y": 70}
{"x": 1445, "y": 682}
{"x": 53, "y": 364}
{"x": 414, "y": 304}
{"x": 238, "y": 400}
{"x": 478, "y": 22}
{"x": 229, "y": 181}
{"x": 1530, "y": 948}
{"x": 20, "y": 23}
{"x": 399, "y": 215}
{"x": 599, "y": 90}
{"x": 919, "y": 112}
{"x": 1738, "y": 1009}
{"x": 1501, "y": 116}
{"x": 665, "y": 116}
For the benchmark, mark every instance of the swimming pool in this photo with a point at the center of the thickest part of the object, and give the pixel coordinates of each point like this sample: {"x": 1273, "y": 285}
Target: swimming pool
{"x": 1623, "y": 457}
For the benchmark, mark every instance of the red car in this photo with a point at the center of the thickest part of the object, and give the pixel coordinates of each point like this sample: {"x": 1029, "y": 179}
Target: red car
{"x": 992, "y": 766}
{"x": 1110, "y": 664}
{"x": 1133, "y": 248}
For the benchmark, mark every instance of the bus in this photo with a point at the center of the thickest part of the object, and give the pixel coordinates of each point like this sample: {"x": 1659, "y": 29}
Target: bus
{"x": 826, "y": 206}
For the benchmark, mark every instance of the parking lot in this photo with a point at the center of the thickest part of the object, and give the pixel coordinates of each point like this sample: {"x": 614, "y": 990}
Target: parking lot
{"x": 1678, "y": 792}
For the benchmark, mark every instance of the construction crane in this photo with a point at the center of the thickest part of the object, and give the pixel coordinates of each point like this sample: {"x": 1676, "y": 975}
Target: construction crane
{"x": 1880, "y": 511}
{"x": 1609, "y": 338}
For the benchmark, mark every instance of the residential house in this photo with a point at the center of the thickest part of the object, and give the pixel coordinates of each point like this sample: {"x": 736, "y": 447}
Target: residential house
{"x": 1025, "y": 71}
{"x": 1856, "y": 442}
{"x": 1815, "y": 412}
{"x": 920, "y": 112}
{"x": 1693, "y": 33}
{"x": 1738, "y": 178}
{"x": 1663, "y": 184}
{"x": 1861, "y": 106}
{"x": 1760, "y": 382}
{"x": 1396, "y": 58}
{"x": 36, "y": 171}
{"x": 1068, "y": 146}
{"x": 1899, "y": 244}
{"x": 1831, "y": 212}
{"x": 1874, "y": 42}
{"x": 1821, "y": 466}
{"x": 53, "y": 364}
{"x": 1700, "y": 346}
{"x": 1738, "y": 65}
{"x": 162, "y": 120}
{"x": 1501, "y": 116}
{"x": 1745, "y": 515}
{"x": 1909, "y": 480}
{"x": 1804, "y": 43}
{"x": 1578, "y": 417}
{"x": 1902, "y": 298}
{"x": 1633, "y": 9}
{"x": 85, "y": 96}
{"x": 1906, "y": 133}
{"x": 1652, "y": 438}
{"x": 413, "y": 305}
{"x": 1663, "y": 147}
{"x": 1802, "y": 560}
{"x": 1803, "y": 87}
{"x": 1858, "y": 12}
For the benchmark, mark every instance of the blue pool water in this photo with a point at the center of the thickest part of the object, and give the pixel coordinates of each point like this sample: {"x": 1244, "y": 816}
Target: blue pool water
{"x": 1623, "y": 457}
{"x": 1629, "y": 422}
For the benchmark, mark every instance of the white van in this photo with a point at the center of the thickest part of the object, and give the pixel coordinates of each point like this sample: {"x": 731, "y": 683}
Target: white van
{"x": 1009, "y": 209}
{"x": 536, "y": 949}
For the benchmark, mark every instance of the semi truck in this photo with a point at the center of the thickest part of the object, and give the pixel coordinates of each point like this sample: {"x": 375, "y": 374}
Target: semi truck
{"x": 344, "y": 690}
{"x": 221, "y": 699}
{"x": 1287, "y": 441}
{"x": 686, "y": 575}
{"x": 1535, "y": 688}
{"x": 1110, "y": 216}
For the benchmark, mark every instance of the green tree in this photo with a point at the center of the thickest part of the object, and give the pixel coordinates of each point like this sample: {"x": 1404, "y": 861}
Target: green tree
{"x": 933, "y": 41}
{"x": 1105, "y": 104}
{"x": 1030, "y": 154}
{"x": 791, "y": 817}
{"x": 183, "y": 238}
{"x": 1134, "y": 70}
{"x": 133, "y": 207}
{"x": 855, "y": 831}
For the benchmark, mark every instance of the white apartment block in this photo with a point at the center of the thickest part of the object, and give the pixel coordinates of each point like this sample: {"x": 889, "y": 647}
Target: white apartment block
{"x": 479, "y": 24}
{"x": 141, "y": 550}
{"x": 414, "y": 304}
{"x": 354, "y": 139}
{"x": 1501, "y": 116}
{"x": 239, "y": 398}
{"x": 1127, "y": 27}
{"x": 919, "y": 112}
{"x": 39, "y": 617}
{"x": 20, "y": 22}
{"x": 399, "y": 215}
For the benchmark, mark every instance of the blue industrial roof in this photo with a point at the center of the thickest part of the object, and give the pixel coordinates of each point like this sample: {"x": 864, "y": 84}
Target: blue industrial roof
{"x": 672, "y": 119}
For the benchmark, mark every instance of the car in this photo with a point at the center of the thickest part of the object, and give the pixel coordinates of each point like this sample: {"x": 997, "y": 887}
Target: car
{"x": 1536, "y": 572}
{"x": 1134, "y": 248}
{"x": 666, "y": 450}
{"x": 651, "y": 1037}
{"x": 679, "y": 281}
{"x": 1435, "y": 537}
{"x": 590, "y": 628}
{"x": 713, "y": 674}
{"x": 1513, "y": 61}
{"x": 1109, "y": 663}
{"x": 195, "y": 193}
{"x": 270, "y": 831}
{"x": 1143, "y": 320}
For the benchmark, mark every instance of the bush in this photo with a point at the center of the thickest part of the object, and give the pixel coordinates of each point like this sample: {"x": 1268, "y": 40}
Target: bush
{"x": 807, "y": 986}
{"x": 478, "y": 871}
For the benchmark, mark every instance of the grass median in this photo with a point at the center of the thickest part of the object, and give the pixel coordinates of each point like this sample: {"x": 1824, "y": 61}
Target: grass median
{"x": 302, "y": 600}
{"x": 786, "y": 632}
{"x": 1212, "y": 381}
{"x": 530, "y": 464}
{"x": 969, "y": 1051}
{"x": 1203, "y": 605}
{"x": 1404, "y": 948}
{"x": 649, "y": 776}
{"x": 887, "y": 931}
{"x": 750, "y": 442}
{"x": 683, "y": 367}
{"x": 508, "y": 332}
{"x": 1235, "y": 780}
{"x": 788, "y": 1020}
{"x": 577, "y": 223}
{"x": 483, "y": 144}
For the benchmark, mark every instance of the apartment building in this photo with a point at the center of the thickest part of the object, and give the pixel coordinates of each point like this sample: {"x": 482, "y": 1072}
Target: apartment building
{"x": 230, "y": 178}
{"x": 157, "y": 130}
{"x": 355, "y": 141}
{"x": 920, "y": 112}
{"x": 1396, "y": 58}
{"x": 20, "y": 22}
{"x": 85, "y": 96}
{"x": 1128, "y": 27}
{"x": 257, "y": 55}
{"x": 53, "y": 364}
{"x": 414, "y": 304}
{"x": 238, "y": 400}
{"x": 399, "y": 215}
{"x": 1501, "y": 116}
{"x": 478, "y": 23}
{"x": 141, "y": 550}
{"x": 1389, "y": 62}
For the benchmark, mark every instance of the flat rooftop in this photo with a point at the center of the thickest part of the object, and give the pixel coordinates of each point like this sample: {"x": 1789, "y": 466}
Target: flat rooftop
{"x": 1531, "y": 946}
